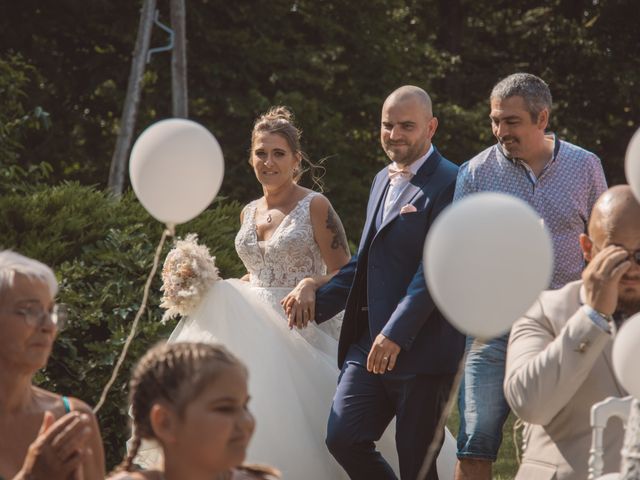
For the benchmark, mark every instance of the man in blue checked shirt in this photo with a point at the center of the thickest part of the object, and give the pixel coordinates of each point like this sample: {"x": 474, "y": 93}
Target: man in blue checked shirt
{"x": 561, "y": 182}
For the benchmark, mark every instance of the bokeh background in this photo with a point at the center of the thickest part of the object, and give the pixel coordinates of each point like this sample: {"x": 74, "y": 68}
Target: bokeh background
{"x": 63, "y": 74}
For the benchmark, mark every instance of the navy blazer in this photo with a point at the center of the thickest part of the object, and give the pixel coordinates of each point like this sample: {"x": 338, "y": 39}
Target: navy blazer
{"x": 386, "y": 276}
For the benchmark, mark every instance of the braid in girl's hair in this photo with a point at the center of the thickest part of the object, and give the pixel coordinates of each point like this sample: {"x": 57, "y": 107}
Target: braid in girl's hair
{"x": 173, "y": 373}
{"x": 280, "y": 120}
{"x": 127, "y": 463}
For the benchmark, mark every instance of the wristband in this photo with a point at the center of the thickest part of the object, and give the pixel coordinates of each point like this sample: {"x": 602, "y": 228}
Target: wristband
{"x": 602, "y": 320}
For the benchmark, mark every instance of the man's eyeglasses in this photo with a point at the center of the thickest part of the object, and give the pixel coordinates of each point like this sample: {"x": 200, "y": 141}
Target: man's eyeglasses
{"x": 35, "y": 316}
{"x": 633, "y": 256}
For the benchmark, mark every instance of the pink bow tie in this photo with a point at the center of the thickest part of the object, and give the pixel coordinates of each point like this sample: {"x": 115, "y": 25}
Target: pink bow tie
{"x": 398, "y": 172}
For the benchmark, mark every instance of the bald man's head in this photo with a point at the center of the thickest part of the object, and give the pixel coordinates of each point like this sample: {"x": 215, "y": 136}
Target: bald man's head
{"x": 411, "y": 93}
{"x": 407, "y": 125}
{"x": 615, "y": 222}
{"x": 616, "y": 209}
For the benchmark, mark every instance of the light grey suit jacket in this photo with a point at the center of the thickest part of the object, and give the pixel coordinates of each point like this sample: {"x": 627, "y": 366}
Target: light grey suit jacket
{"x": 558, "y": 366}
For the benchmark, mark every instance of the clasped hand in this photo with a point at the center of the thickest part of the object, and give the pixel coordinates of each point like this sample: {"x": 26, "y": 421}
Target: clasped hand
{"x": 300, "y": 304}
{"x": 602, "y": 276}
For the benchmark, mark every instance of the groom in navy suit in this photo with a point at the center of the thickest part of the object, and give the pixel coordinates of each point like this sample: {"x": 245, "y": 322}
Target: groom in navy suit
{"x": 397, "y": 354}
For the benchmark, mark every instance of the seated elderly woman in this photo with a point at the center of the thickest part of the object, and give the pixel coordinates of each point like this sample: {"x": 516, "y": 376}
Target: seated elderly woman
{"x": 43, "y": 435}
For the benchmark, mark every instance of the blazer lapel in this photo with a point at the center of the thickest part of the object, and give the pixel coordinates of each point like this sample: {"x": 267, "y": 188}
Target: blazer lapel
{"x": 377, "y": 195}
{"x": 415, "y": 188}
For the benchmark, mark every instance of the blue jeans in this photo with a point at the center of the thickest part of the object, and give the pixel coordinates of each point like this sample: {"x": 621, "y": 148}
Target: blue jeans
{"x": 483, "y": 408}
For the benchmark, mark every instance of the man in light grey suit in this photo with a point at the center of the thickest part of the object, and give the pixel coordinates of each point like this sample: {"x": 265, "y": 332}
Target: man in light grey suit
{"x": 559, "y": 354}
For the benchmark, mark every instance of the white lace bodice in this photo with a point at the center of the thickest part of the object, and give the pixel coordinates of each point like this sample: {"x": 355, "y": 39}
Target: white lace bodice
{"x": 291, "y": 253}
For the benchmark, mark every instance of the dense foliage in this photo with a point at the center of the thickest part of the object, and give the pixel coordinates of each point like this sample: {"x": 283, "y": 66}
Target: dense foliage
{"x": 333, "y": 62}
{"x": 102, "y": 251}
{"x": 63, "y": 74}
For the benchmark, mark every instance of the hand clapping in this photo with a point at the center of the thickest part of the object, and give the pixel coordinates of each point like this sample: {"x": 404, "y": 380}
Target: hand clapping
{"x": 59, "y": 449}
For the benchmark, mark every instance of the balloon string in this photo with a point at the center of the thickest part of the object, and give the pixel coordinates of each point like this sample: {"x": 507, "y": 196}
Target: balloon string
{"x": 439, "y": 433}
{"x": 145, "y": 297}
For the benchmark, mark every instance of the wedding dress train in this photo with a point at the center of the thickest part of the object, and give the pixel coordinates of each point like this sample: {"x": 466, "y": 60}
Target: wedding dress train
{"x": 292, "y": 373}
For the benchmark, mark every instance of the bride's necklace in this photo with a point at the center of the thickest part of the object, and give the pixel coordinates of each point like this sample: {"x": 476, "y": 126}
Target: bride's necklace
{"x": 269, "y": 218}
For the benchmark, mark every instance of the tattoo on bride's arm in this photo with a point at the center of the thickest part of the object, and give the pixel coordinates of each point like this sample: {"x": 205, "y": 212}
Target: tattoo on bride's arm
{"x": 339, "y": 235}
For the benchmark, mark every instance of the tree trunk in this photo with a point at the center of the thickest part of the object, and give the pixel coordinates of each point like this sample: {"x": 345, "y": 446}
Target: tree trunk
{"x": 179, "y": 94}
{"x": 574, "y": 9}
{"x": 452, "y": 14}
{"x": 132, "y": 99}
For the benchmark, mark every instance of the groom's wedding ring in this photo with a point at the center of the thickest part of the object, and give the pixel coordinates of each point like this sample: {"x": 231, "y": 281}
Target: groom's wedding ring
{"x": 385, "y": 358}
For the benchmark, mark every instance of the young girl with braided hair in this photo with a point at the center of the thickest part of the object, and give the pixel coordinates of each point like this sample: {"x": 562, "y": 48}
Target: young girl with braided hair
{"x": 192, "y": 399}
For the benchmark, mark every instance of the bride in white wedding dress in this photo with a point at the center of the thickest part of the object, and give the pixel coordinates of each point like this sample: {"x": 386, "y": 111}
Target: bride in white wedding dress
{"x": 291, "y": 242}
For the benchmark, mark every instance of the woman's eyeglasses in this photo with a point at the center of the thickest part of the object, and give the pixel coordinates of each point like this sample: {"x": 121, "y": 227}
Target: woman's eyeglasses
{"x": 35, "y": 316}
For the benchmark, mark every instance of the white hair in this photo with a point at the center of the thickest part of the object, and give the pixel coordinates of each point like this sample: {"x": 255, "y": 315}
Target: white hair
{"x": 12, "y": 263}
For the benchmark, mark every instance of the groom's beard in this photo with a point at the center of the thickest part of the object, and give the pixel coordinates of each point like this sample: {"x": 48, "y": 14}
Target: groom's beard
{"x": 402, "y": 153}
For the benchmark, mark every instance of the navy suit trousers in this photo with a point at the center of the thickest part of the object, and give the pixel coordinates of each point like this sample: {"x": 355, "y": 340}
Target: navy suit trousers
{"x": 365, "y": 403}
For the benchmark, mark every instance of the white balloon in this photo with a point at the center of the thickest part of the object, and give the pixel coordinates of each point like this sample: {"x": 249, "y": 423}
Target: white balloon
{"x": 486, "y": 259}
{"x": 625, "y": 355}
{"x": 176, "y": 169}
{"x": 632, "y": 164}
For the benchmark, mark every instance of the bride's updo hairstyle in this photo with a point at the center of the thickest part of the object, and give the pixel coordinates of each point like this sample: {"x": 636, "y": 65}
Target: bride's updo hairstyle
{"x": 280, "y": 120}
{"x": 174, "y": 373}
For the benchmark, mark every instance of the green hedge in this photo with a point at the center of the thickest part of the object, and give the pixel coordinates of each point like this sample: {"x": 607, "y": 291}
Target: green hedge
{"x": 102, "y": 251}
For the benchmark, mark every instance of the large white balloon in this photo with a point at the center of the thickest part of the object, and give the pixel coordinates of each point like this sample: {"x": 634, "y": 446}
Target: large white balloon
{"x": 625, "y": 355}
{"x": 176, "y": 169}
{"x": 486, "y": 260}
{"x": 632, "y": 164}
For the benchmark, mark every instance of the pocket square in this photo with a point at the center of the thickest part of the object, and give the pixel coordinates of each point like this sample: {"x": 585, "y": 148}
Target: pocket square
{"x": 408, "y": 208}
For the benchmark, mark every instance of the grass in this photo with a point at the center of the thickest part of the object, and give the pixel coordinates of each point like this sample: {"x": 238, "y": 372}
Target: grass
{"x": 506, "y": 466}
